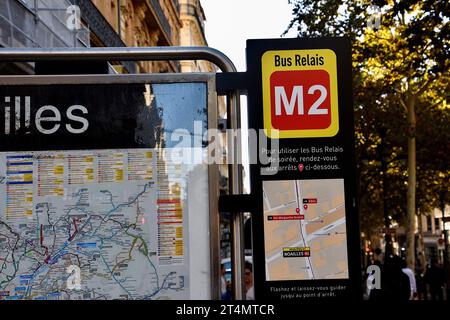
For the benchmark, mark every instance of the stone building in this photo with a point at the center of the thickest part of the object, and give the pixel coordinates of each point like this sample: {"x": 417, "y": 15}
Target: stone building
{"x": 193, "y": 34}
{"x": 104, "y": 23}
{"x": 144, "y": 23}
{"x": 431, "y": 234}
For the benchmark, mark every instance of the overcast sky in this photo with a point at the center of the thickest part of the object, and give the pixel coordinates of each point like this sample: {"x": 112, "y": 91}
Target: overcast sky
{"x": 229, "y": 23}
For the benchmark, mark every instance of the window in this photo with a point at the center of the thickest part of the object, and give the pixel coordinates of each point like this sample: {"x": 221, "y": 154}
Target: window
{"x": 437, "y": 224}
{"x": 429, "y": 226}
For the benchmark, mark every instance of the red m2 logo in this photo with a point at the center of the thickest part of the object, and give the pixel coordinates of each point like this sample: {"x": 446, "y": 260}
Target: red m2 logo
{"x": 300, "y": 100}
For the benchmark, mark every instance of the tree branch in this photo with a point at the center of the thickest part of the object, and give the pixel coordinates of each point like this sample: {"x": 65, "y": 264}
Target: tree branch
{"x": 403, "y": 104}
{"x": 424, "y": 87}
{"x": 436, "y": 104}
{"x": 376, "y": 36}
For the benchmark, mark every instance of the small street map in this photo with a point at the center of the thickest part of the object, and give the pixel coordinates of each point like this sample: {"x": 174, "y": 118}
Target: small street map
{"x": 305, "y": 231}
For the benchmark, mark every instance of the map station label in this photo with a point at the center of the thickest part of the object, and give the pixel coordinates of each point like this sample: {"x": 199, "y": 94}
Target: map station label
{"x": 286, "y": 217}
{"x": 296, "y": 252}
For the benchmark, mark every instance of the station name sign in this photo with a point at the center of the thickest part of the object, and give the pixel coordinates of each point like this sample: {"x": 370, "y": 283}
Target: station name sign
{"x": 47, "y": 119}
{"x": 63, "y": 116}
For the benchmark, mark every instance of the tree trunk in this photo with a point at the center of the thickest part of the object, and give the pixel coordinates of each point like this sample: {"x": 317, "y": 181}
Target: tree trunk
{"x": 421, "y": 243}
{"x": 411, "y": 194}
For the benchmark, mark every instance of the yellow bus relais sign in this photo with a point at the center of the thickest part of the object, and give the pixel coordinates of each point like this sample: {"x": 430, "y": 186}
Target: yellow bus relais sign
{"x": 300, "y": 95}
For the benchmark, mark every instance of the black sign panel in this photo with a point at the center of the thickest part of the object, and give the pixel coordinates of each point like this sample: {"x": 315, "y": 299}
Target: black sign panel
{"x": 305, "y": 225}
{"x": 76, "y": 117}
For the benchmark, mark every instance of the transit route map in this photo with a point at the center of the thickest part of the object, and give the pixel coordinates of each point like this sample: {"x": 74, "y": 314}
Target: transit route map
{"x": 92, "y": 225}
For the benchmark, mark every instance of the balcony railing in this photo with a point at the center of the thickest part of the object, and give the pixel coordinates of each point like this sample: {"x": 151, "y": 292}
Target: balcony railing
{"x": 162, "y": 19}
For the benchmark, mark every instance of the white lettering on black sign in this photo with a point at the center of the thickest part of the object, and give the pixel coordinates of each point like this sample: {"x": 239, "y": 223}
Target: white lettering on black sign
{"x": 47, "y": 119}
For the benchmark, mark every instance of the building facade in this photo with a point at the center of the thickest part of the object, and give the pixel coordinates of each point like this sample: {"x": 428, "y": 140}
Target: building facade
{"x": 431, "y": 230}
{"x": 101, "y": 23}
{"x": 193, "y": 34}
{"x": 144, "y": 23}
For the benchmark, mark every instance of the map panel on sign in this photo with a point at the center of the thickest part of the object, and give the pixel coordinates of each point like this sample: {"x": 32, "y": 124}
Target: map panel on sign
{"x": 305, "y": 230}
{"x": 94, "y": 224}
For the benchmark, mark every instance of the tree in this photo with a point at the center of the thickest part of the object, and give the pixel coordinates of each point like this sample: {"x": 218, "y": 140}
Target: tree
{"x": 405, "y": 59}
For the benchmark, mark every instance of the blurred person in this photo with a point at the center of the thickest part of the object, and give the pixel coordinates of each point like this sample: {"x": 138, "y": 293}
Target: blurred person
{"x": 435, "y": 278}
{"x": 421, "y": 286}
{"x": 378, "y": 257}
{"x": 225, "y": 290}
{"x": 412, "y": 279}
{"x": 249, "y": 290}
{"x": 395, "y": 285}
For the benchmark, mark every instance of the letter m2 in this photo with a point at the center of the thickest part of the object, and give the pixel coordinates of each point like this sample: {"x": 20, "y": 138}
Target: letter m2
{"x": 289, "y": 105}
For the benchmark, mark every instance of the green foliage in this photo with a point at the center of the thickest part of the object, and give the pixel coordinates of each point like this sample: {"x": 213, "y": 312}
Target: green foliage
{"x": 406, "y": 58}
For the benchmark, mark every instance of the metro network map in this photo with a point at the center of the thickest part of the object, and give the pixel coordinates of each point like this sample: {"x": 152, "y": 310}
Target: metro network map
{"x": 305, "y": 230}
{"x": 116, "y": 216}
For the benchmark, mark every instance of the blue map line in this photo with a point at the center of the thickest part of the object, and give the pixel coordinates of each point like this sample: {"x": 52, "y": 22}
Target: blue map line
{"x": 19, "y": 182}
{"x": 110, "y": 197}
{"x": 114, "y": 209}
{"x": 19, "y": 163}
{"x": 19, "y": 172}
{"x": 147, "y": 297}
{"x": 156, "y": 271}
{"x": 25, "y": 156}
{"x": 16, "y": 267}
{"x": 112, "y": 275}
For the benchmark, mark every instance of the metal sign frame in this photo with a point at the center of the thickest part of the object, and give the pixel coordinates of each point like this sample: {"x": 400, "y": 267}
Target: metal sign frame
{"x": 153, "y": 54}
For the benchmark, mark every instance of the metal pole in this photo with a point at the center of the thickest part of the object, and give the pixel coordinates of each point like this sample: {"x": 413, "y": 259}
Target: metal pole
{"x": 164, "y": 53}
{"x": 119, "y": 54}
{"x": 388, "y": 238}
{"x": 237, "y": 218}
